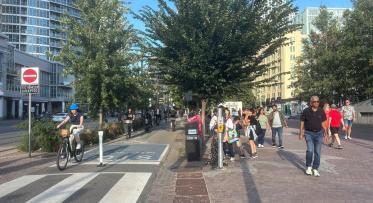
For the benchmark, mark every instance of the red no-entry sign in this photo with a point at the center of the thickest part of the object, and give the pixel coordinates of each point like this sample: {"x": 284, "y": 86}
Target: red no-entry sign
{"x": 30, "y": 76}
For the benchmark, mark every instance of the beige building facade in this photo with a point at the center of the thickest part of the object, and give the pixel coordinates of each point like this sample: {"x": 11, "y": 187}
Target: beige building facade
{"x": 276, "y": 83}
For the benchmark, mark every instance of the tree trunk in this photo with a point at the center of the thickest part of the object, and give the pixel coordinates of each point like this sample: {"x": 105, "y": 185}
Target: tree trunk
{"x": 101, "y": 120}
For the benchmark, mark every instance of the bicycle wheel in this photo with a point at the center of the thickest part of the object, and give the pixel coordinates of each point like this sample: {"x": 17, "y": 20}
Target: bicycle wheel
{"x": 63, "y": 156}
{"x": 78, "y": 153}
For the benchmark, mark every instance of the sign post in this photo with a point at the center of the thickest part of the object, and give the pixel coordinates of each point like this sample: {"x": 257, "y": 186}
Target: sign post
{"x": 29, "y": 84}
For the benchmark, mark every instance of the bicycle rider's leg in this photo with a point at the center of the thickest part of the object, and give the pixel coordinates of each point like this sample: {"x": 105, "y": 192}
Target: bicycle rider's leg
{"x": 76, "y": 133}
{"x": 129, "y": 129}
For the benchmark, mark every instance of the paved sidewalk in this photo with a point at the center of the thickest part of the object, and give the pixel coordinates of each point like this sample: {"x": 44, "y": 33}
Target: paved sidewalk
{"x": 276, "y": 176}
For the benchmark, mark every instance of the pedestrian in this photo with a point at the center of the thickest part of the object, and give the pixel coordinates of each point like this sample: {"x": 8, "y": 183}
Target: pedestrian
{"x": 349, "y": 116}
{"x": 252, "y": 132}
{"x": 277, "y": 121}
{"x": 244, "y": 139}
{"x": 213, "y": 126}
{"x": 237, "y": 122}
{"x": 312, "y": 127}
{"x": 264, "y": 124}
{"x": 336, "y": 120}
{"x": 228, "y": 146}
{"x": 327, "y": 111}
{"x": 213, "y": 122}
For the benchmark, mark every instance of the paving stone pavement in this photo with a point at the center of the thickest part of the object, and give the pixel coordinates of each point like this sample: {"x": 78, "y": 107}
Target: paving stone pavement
{"x": 277, "y": 175}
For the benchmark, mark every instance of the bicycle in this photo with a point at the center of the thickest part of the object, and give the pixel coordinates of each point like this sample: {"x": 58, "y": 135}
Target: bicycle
{"x": 68, "y": 149}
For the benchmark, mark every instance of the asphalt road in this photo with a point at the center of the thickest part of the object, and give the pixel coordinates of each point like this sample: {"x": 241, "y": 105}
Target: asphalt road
{"x": 130, "y": 168}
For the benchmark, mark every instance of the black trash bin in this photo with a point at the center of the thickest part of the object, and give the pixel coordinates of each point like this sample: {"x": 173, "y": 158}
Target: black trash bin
{"x": 192, "y": 143}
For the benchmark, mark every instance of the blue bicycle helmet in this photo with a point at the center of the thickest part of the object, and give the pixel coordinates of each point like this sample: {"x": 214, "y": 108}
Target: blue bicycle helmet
{"x": 74, "y": 106}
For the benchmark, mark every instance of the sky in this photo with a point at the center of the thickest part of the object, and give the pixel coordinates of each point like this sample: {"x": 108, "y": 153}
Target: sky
{"x": 136, "y": 5}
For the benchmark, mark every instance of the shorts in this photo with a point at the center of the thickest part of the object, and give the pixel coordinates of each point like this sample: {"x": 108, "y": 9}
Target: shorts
{"x": 334, "y": 130}
{"x": 347, "y": 122}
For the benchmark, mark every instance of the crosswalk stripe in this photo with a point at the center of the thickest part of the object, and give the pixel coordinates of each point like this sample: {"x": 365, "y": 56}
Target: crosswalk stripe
{"x": 11, "y": 186}
{"x": 128, "y": 189}
{"x": 65, "y": 188}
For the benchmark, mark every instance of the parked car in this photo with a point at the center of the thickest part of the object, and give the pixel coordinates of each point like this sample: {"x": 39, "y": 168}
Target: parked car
{"x": 59, "y": 117}
{"x": 43, "y": 116}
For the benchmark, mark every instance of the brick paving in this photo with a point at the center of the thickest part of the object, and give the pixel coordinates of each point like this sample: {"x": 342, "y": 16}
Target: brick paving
{"x": 276, "y": 176}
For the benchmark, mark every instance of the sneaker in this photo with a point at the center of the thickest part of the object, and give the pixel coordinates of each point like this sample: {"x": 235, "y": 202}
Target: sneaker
{"x": 273, "y": 145}
{"x": 232, "y": 159}
{"x": 339, "y": 147}
{"x": 281, "y": 147}
{"x": 316, "y": 173}
{"x": 330, "y": 145}
{"x": 242, "y": 156}
{"x": 349, "y": 138}
{"x": 78, "y": 146}
{"x": 346, "y": 137}
{"x": 255, "y": 155}
{"x": 309, "y": 171}
{"x": 262, "y": 146}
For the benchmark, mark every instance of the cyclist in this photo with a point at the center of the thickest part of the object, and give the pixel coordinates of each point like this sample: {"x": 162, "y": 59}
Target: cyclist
{"x": 75, "y": 118}
{"x": 173, "y": 118}
{"x": 130, "y": 116}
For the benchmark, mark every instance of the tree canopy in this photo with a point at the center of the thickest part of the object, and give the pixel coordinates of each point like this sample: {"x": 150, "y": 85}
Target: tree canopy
{"x": 337, "y": 58}
{"x": 213, "y": 46}
{"x": 98, "y": 53}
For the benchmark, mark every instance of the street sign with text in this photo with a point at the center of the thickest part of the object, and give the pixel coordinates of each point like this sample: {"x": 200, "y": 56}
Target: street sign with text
{"x": 33, "y": 89}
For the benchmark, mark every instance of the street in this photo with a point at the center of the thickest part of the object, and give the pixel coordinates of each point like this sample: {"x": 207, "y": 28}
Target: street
{"x": 130, "y": 167}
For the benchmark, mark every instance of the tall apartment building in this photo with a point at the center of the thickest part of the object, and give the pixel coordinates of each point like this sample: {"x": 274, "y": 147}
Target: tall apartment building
{"x": 284, "y": 60}
{"x": 33, "y": 25}
{"x": 309, "y": 14}
{"x": 282, "y": 71}
{"x": 55, "y": 89}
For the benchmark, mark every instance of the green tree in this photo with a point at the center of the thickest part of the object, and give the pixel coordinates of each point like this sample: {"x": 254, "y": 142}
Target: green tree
{"x": 358, "y": 49}
{"x": 210, "y": 46}
{"x": 338, "y": 60}
{"x": 97, "y": 53}
{"x": 320, "y": 67}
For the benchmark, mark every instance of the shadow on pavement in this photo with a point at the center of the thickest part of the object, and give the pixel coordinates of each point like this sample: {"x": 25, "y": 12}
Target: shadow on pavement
{"x": 19, "y": 167}
{"x": 292, "y": 158}
{"x": 251, "y": 190}
{"x": 361, "y": 144}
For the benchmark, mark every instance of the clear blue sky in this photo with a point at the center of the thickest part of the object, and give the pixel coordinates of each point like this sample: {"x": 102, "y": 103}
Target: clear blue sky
{"x": 136, "y": 5}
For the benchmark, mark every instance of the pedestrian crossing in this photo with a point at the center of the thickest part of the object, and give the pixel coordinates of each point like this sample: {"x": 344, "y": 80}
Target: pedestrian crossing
{"x": 75, "y": 187}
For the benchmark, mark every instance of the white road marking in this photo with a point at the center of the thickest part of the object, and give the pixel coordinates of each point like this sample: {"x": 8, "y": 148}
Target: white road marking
{"x": 164, "y": 153}
{"x": 11, "y": 186}
{"x": 128, "y": 189}
{"x": 64, "y": 189}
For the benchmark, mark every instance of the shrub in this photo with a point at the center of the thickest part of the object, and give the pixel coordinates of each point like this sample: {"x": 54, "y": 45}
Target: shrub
{"x": 113, "y": 130}
{"x": 44, "y": 136}
{"x": 90, "y": 137}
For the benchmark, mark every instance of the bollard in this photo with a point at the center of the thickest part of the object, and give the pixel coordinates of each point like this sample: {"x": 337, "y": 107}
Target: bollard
{"x": 100, "y": 139}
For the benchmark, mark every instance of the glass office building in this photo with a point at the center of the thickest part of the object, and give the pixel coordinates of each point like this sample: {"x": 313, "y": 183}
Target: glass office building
{"x": 33, "y": 25}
